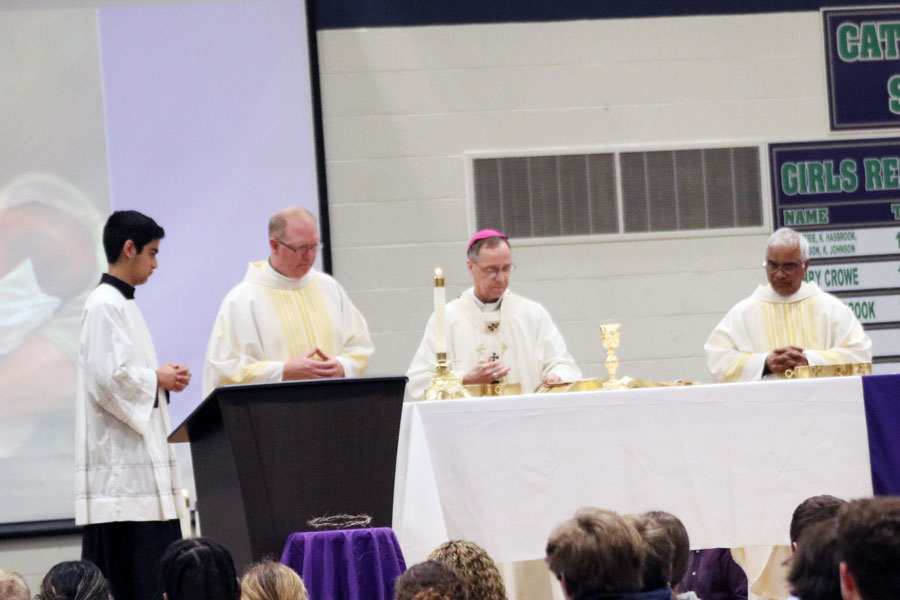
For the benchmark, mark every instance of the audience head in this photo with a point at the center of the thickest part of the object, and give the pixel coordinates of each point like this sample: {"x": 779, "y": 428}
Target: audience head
{"x": 658, "y": 552}
{"x": 474, "y": 565}
{"x": 430, "y": 594}
{"x": 596, "y": 552}
{"x": 437, "y": 579}
{"x": 869, "y": 546}
{"x": 813, "y": 510}
{"x": 74, "y": 580}
{"x": 815, "y": 566}
{"x": 269, "y": 580}
{"x": 198, "y": 569}
{"x": 681, "y": 544}
{"x": 13, "y": 586}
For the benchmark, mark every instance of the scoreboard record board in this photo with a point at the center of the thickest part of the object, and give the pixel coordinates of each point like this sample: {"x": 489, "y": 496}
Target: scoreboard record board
{"x": 844, "y": 197}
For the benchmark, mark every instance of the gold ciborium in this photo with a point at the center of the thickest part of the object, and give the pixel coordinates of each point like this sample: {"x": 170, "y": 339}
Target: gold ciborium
{"x": 611, "y": 333}
{"x": 445, "y": 384}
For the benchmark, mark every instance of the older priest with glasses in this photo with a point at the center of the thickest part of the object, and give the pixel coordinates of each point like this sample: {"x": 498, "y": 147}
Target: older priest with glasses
{"x": 493, "y": 334}
{"x": 286, "y": 321}
{"x": 785, "y": 324}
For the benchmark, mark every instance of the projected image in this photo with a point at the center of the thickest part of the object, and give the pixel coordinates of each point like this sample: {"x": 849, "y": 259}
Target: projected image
{"x": 197, "y": 114}
{"x": 53, "y": 197}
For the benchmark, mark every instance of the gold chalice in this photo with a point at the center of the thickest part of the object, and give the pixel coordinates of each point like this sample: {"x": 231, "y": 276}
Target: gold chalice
{"x": 611, "y": 333}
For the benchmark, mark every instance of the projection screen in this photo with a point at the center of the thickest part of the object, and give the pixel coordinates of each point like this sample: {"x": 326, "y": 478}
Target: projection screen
{"x": 198, "y": 114}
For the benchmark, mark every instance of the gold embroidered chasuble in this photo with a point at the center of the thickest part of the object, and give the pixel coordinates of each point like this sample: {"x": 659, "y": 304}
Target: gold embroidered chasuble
{"x": 811, "y": 319}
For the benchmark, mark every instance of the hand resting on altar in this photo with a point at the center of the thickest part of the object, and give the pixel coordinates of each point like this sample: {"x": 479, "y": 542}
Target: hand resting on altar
{"x": 782, "y": 359}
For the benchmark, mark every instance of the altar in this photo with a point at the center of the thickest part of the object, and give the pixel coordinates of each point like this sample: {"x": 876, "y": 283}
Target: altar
{"x": 731, "y": 460}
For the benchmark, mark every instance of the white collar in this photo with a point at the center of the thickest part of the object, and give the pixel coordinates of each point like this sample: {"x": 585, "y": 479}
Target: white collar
{"x": 765, "y": 293}
{"x": 262, "y": 273}
{"x": 487, "y": 307}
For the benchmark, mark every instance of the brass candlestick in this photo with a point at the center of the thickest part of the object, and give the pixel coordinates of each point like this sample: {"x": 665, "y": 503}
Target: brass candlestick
{"x": 445, "y": 385}
{"x": 611, "y": 333}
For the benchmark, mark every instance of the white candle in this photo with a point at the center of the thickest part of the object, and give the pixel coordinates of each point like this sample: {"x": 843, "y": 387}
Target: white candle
{"x": 440, "y": 320}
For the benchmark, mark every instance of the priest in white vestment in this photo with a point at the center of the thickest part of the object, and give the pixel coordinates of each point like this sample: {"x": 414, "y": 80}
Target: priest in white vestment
{"x": 785, "y": 324}
{"x": 493, "y": 334}
{"x": 127, "y": 487}
{"x": 286, "y": 321}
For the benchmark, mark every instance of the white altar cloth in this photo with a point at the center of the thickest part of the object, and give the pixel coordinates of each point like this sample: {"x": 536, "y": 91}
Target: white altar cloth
{"x": 731, "y": 460}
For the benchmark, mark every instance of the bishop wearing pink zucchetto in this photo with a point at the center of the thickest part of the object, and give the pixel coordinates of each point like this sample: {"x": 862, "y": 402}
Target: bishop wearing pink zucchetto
{"x": 493, "y": 334}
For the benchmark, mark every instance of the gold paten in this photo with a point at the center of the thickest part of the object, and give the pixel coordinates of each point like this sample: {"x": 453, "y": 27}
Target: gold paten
{"x": 611, "y": 333}
{"x": 590, "y": 385}
{"x": 812, "y": 371}
{"x": 445, "y": 385}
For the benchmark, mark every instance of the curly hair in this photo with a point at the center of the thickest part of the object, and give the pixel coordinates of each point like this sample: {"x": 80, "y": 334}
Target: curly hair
{"x": 430, "y": 594}
{"x": 430, "y": 575}
{"x": 475, "y": 566}
{"x": 269, "y": 580}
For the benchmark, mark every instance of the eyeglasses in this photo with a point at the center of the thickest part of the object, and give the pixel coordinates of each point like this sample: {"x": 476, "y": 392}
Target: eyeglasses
{"x": 494, "y": 271}
{"x": 790, "y": 267}
{"x": 302, "y": 249}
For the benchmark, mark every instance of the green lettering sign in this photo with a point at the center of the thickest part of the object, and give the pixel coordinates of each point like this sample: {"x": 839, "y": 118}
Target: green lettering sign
{"x": 848, "y": 42}
{"x": 874, "y": 179}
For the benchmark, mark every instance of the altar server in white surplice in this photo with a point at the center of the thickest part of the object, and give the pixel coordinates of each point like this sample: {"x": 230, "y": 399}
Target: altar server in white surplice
{"x": 286, "y": 321}
{"x": 785, "y": 324}
{"x": 127, "y": 488}
{"x": 494, "y": 334}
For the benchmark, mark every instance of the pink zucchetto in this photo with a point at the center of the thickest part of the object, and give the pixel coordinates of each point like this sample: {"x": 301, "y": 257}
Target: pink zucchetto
{"x": 484, "y": 234}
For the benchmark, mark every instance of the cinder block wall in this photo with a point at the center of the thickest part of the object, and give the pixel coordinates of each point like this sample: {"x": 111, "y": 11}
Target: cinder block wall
{"x": 402, "y": 106}
{"x": 33, "y": 557}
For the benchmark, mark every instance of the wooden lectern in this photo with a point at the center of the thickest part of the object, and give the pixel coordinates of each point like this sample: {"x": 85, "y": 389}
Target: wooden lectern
{"x": 269, "y": 457}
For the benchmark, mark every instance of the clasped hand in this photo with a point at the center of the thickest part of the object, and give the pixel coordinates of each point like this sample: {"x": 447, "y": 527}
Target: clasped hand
{"x": 782, "y": 359}
{"x": 173, "y": 377}
{"x": 314, "y": 364}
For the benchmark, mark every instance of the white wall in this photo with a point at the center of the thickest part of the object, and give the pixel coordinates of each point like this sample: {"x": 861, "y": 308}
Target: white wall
{"x": 403, "y": 105}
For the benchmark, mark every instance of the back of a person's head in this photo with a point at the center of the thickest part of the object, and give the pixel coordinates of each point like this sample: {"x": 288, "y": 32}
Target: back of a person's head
{"x": 596, "y": 552}
{"x": 198, "y": 569}
{"x": 13, "y": 586}
{"x": 681, "y": 543}
{"x": 430, "y": 575}
{"x": 813, "y": 510}
{"x": 474, "y": 565}
{"x": 269, "y": 580}
{"x": 124, "y": 225}
{"x": 430, "y": 594}
{"x": 869, "y": 544}
{"x": 815, "y": 567}
{"x": 74, "y": 580}
{"x": 658, "y": 551}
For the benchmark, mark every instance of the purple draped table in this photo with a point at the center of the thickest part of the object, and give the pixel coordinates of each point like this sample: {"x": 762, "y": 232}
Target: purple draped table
{"x": 346, "y": 564}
